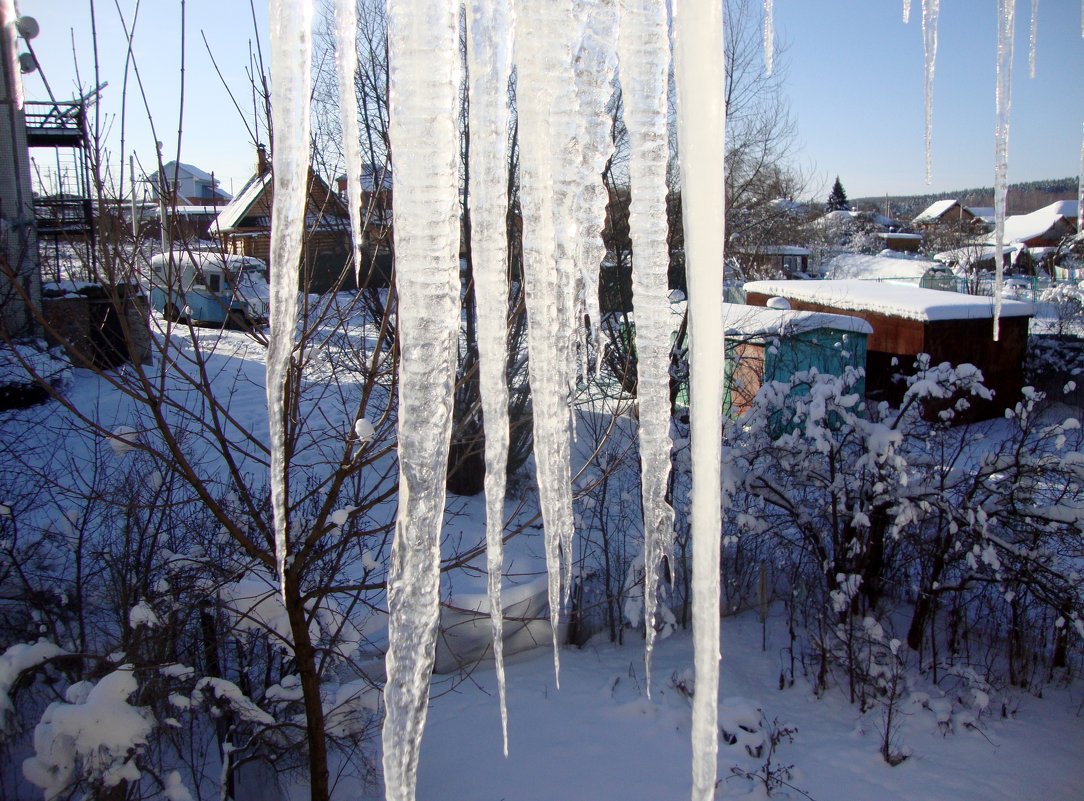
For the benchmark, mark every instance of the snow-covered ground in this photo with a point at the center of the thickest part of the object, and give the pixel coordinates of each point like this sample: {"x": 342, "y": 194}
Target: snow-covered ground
{"x": 599, "y": 737}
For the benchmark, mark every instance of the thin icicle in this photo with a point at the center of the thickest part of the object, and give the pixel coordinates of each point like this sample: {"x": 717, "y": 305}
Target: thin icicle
{"x": 1033, "y": 39}
{"x": 644, "y": 54}
{"x": 906, "y": 11}
{"x": 930, "y": 10}
{"x": 1080, "y": 192}
{"x": 489, "y": 64}
{"x": 291, "y": 61}
{"x": 701, "y": 116}
{"x": 346, "y": 33}
{"x": 543, "y": 56}
{"x": 1006, "y": 21}
{"x": 769, "y": 36}
{"x": 424, "y": 83}
{"x": 593, "y": 68}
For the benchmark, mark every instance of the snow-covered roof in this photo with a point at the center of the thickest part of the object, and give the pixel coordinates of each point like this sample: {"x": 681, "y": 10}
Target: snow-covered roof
{"x": 837, "y": 217}
{"x": 187, "y": 211}
{"x": 169, "y": 169}
{"x": 237, "y": 209}
{"x": 895, "y": 300}
{"x": 983, "y": 212}
{"x": 899, "y": 235}
{"x": 1021, "y": 227}
{"x": 969, "y": 255}
{"x": 779, "y": 250}
{"x": 880, "y": 267}
{"x": 935, "y": 211}
{"x": 751, "y": 321}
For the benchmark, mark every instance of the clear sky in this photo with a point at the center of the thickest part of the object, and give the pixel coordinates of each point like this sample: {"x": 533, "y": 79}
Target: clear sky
{"x": 855, "y": 85}
{"x": 854, "y": 81}
{"x": 213, "y": 135}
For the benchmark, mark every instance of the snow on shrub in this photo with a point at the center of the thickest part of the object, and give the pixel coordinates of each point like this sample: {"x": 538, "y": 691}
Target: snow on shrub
{"x": 95, "y": 737}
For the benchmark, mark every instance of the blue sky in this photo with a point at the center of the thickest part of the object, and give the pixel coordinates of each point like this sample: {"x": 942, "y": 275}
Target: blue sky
{"x": 854, "y": 82}
{"x": 213, "y": 137}
{"x": 855, "y": 85}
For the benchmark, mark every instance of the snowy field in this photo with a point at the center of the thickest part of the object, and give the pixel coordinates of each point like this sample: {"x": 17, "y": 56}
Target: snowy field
{"x": 600, "y": 737}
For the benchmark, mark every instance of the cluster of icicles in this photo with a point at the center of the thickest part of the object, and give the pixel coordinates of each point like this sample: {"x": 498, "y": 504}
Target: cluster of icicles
{"x": 564, "y": 58}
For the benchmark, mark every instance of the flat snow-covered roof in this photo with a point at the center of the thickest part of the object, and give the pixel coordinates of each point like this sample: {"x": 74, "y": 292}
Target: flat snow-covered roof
{"x": 861, "y": 265}
{"x": 894, "y": 300}
{"x": 741, "y": 320}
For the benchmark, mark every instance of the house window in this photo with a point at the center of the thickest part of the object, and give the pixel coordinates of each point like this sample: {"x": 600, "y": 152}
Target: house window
{"x": 792, "y": 264}
{"x": 214, "y": 282}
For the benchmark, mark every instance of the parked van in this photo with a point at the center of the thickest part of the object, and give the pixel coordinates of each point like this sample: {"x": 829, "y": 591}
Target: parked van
{"x": 209, "y": 287}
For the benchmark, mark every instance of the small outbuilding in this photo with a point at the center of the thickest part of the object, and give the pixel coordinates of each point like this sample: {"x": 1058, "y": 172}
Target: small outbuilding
{"x": 909, "y": 320}
{"x": 772, "y": 344}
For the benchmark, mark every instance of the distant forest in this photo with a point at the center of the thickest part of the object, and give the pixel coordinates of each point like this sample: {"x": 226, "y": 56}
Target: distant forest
{"x": 1022, "y": 198}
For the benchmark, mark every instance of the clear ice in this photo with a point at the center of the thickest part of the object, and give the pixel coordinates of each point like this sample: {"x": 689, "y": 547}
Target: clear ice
{"x": 930, "y": 9}
{"x": 701, "y": 118}
{"x": 769, "y": 36}
{"x": 644, "y": 55}
{"x": 291, "y": 60}
{"x": 544, "y": 40}
{"x": 424, "y": 83}
{"x": 1006, "y": 21}
{"x": 346, "y": 31}
{"x": 489, "y": 66}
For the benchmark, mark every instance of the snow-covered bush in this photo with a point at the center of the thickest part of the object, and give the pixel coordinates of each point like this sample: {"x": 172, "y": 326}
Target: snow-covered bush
{"x": 94, "y": 738}
{"x": 874, "y": 509}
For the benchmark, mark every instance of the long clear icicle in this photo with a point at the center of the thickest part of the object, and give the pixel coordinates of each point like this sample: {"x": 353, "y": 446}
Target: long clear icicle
{"x": 769, "y": 36}
{"x": 1080, "y": 192}
{"x": 291, "y": 61}
{"x": 543, "y": 56}
{"x": 346, "y": 56}
{"x": 593, "y": 68}
{"x": 644, "y": 56}
{"x": 424, "y": 82}
{"x": 1033, "y": 38}
{"x": 1006, "y": 25}
{"x": 906, "y": 11}
{"x": 701, "y": 117}
{"x": 930, "y": 10}
{"x": 489, "y": 64}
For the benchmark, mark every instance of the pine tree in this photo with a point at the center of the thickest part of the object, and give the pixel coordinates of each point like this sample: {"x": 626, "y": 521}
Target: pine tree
{"x": 837, "y": 200}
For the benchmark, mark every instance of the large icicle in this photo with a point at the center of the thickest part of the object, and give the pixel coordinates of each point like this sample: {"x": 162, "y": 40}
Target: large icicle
{"x": 424, "y": 83}
{"x": 769, "y": 36}
{"x": 930, "y": 10}
{"x": 1080, "y": 193}
{"x": 489, "y": 64}
{"x": 346, "y": 55}
{"x": 644, "y": 55}
{"x": 701, "y": 116}
{"x": 543, "y": 55}
{"x": 291, "y": 61}
{"x": 1006, "y": 21}
{"x": 1033, "y": 38}
{"x": 906, "y": 11}
{"x": 593, "y": 67}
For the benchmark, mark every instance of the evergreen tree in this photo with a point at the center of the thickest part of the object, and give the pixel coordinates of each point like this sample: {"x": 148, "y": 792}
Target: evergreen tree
{"x": 837, "y": 200}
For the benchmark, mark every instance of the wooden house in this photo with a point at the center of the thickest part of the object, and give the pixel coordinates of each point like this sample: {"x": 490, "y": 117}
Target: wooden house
{"x": 908, "y": 320}
{"x": 244, "y": 227}
{"x": 950, "y": 212}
